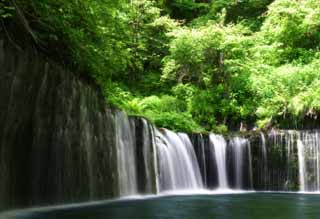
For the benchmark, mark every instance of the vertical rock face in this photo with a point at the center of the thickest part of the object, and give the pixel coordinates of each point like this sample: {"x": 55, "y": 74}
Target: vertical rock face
{"x": 275, "y": 161}
{"x": 57, "y": 140}
{"x": 59, "y": 143}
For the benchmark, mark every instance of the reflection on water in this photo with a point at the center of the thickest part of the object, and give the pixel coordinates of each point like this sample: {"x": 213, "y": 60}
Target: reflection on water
{"x": 236, "y": 206}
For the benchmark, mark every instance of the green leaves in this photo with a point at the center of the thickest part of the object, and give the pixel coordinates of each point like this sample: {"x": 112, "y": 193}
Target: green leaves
{"x": 6, "y": 10}
{"x": 214, "y": 59}
{"x": 291, "y": 28}
{"x": 223, "y": 63}
{"x": 289, "y": 90}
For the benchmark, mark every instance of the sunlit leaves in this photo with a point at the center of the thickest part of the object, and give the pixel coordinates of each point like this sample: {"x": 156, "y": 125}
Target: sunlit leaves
{"x": 6, "y": 10}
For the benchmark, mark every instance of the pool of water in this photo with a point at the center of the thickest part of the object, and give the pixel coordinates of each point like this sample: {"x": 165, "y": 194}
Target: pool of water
{"x": 231, "y": 206}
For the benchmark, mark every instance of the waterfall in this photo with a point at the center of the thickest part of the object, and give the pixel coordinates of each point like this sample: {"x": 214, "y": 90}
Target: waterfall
{"x": 126, "y": 156}
{"x": 218, "y": 147}
{"x": 155, "y": 158}
{"x": 179, "y": 169}
{"x": 308, "y": 146}
{"x": 265, "y": 159}
{"x": 203, "y": 161}
{"x": 146, "y": 157}
{"x": 302, "y": 168}
{"x": 238, "y": 144}
{"x": 192, "y": 159}
{"x": 290, "y": 137}
{"x": 242, "y": 162}
{"x": 250, "y": 165}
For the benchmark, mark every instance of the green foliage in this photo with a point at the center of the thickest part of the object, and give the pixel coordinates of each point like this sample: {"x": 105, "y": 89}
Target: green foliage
{"x": 118, "y": 95}
{"x": 185, "y": 9}
{"x": 249, "y": 12}
{"x": 204, "y": 110}
{"x": 289, "y": 90}
{"x": 184, "y": 92}
{"x": 195, "y": 54}
{"x": 6, "y": 9}
{"x": 286, "y": 59}
{"x": 176, "y": 121}
{"x": 168, "y": 112}
{"x": 291, "y": 31}
{"x": 188, "y": 65}
{"x": 87, "y": 34}
{"x": 212, "y": 57}
{"x": 240, "y": 74}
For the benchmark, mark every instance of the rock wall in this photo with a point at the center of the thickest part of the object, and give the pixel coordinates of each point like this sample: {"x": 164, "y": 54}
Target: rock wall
{"x": 57, "y": 138}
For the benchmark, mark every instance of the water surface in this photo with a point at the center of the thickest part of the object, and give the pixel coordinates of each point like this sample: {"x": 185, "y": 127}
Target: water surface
{"x": 235, "y": 206}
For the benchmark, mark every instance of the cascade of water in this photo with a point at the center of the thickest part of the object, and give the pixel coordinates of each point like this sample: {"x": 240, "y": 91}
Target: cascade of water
{"x": 147, "y": 145}
{"x": 178, "y": 165}
{"x": 290, "y": 144}
{"x": 250, "y": 165}
{"x": 155, "y": 158}
{"x": 302, "y": 168}
{"x": 203, "y": 159}
{"x": 318, "y": 160}
{"x": 166, "y": 168}
{"x": 127, "y": 170}
{"x": 264, "y": 147}
{"x": 265, "y": 159}
{"x": 240, "y": 146}
{"x": 218, "y": 146}
{"x": 192, "y": 159}
{"x": 277, "y": 177}
{"x": 308, "y": 157}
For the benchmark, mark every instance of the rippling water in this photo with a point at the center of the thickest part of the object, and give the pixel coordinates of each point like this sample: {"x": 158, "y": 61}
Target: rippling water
{"x": 235, "y": 206}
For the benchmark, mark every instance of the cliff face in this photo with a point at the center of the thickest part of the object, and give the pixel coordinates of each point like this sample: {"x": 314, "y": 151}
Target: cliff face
{"x": 48, "y": 120}
{"x": 58, "y": 141}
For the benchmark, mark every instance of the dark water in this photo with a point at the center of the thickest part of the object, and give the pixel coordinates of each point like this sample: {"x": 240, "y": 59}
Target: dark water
{"x": 236, "y": 206}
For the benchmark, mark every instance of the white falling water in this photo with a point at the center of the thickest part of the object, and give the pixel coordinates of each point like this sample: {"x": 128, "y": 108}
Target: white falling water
{"x": 309, "y": 162}
{"x": 219, "y": 149}
{"x": 179, "y": 169}
{"x": 127, "y": 170}
{"x": 203, "y": 160}
{"x": 317, "y": 160}
{"x": 192, "y": 158}
{"x": 290, "y": 145}
{"x": 250, "y": 164}
{"x": 240, "y": 147}
{"x": 302, "y": 167}
{"x": 155, "y": 158}
{"x": 265, "y": 159}
{"x": 264, "y": 147}
{"x": 149, "y": 156}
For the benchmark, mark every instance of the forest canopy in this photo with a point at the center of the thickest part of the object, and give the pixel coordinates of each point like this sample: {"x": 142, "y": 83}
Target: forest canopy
{"x": 186, "y": 65}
